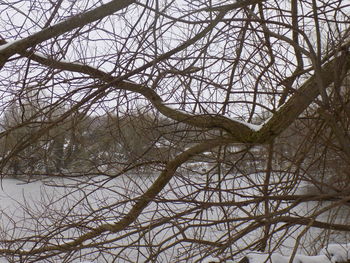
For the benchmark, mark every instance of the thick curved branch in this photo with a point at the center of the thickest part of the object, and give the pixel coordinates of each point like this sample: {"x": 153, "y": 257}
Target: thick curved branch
{"x": 300, "y": 100}
{"x": 238, "y": 131}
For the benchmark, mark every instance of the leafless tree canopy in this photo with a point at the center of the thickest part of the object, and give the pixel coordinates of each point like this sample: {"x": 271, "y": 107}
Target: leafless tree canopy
{"x": 167, "y": 131}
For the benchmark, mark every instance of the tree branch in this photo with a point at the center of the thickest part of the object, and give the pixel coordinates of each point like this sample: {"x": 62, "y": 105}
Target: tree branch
{"x": 238, "y": 131}
{"x": 80, "y": 20}
{"x": 143, "y": 201}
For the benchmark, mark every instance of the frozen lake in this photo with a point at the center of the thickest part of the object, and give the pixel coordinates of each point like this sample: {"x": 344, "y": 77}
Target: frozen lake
{"x": 41, "y": 197}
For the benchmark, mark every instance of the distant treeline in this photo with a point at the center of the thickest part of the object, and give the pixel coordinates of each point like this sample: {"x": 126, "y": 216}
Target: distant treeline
{"x": 87, "y": 143}
{"x": 83, "y": 143}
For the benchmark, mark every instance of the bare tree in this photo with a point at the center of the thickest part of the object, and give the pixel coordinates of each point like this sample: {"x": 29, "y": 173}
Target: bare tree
{"x": 167, "y": 131}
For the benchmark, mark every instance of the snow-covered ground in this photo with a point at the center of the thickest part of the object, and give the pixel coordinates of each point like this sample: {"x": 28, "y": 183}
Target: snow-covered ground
{"x": 332, "y": 253}
{"x": 337, "y": 252}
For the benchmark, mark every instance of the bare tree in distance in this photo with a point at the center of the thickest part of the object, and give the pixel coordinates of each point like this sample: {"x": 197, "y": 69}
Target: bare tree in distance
{"x": 168, "y": 131}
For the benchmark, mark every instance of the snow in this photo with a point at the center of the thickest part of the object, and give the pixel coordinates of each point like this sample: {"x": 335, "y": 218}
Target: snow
{"x": 41, "y": 55}
{"x": 173, "y": 108}
{"x": 266, "y": 121}
{"x": 251, "y": 126}
{"x": 311, "y": 259}
{"x": 332, "y": 253}
{"x": 337, "y": 252}
{"x": 8, "y": 44}
{"x": 211, "y": 260}
{"x": 256, "y": 257}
